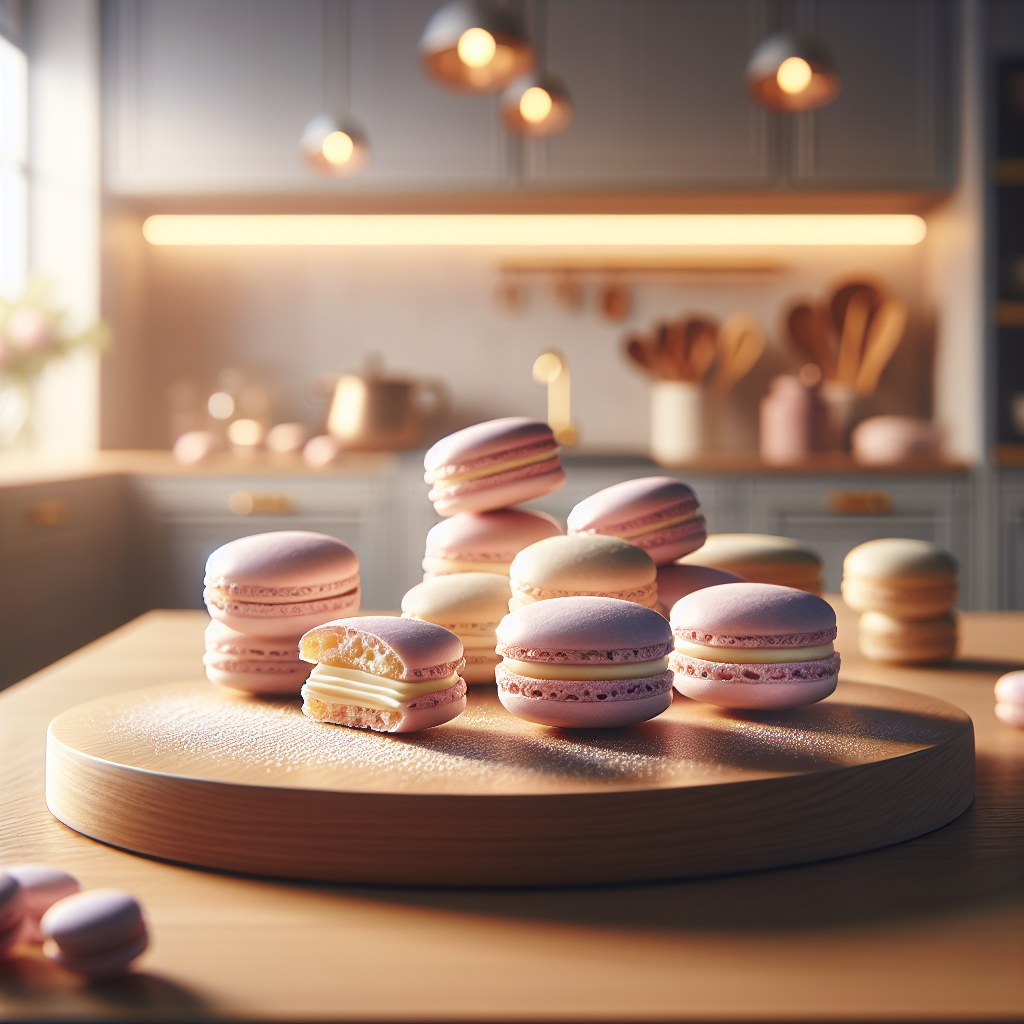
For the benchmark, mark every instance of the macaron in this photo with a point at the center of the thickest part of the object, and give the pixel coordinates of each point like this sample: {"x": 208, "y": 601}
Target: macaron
{"x": 586, "y": 564}
{"x": 676, "y": 581}
{"x": 1010, "y": 699}
{"x": 470, "y": 605}
{"x": 484, "y": 541}
{"x": 761, "y": 558}
{"x": 12, "y": 911}
{"x": 584, "y": 663}
{"x": 884, "y": 637}
{"x": 909, "y": 579}
{"x": 383, "y": 673}
{"x": 240, "y": 661}
{"x": 754, "y": 645}
{"x": 656, "y": 513}
{"x": 97, "y": 933}
{"x": 41, "y": 887}
{"x": 281, "y": 584}
{"x": 492, "y": 465}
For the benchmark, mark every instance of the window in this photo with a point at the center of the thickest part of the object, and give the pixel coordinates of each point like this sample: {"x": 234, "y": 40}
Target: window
{"x": 13, "y": 168}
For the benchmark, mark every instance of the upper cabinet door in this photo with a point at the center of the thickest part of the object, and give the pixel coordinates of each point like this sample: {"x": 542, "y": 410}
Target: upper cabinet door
{"x": 659, "y": 96}
{"x": 892, "y": 126}
{"x": 204, "y": 96}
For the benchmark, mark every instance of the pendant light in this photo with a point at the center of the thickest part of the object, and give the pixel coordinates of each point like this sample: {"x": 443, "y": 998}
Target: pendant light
{"x": 789, "y": 75}
{"x": 475, "y": 47}
{"x": 536, "y": 106}
{"x": 330, "y": 148}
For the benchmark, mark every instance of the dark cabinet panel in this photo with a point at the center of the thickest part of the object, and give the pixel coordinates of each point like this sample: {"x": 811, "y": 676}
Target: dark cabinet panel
{"x": 891, "y": 126}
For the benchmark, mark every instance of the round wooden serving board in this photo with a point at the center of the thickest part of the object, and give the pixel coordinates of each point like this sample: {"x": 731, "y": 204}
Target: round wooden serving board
{"x": 194, "y": 773}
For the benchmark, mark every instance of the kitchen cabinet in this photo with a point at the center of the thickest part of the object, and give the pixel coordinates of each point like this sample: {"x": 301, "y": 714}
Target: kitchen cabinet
{"x": 211, "y": 98}
{"x": 64, "y": 579}
{"x": 1010, "y": 534}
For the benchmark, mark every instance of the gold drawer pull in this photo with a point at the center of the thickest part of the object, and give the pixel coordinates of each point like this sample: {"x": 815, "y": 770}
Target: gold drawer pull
{"x": 48, "y": 513}
{"x": 859, "y": 503}
{"x": 273, "y": 503}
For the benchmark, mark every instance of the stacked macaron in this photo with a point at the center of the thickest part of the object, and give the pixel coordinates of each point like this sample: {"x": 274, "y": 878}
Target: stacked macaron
{"x": 583, "y": 564}
{"x": 754, "y": 645}
{"x": 584, "y": 663}
{"x": 41, "y": 886}
{"x": 484, "y": 541}
{"x": 761, "y": 558}
{"x": 656, "y": 513}
{"x": 263, "y": 592}
{"x": 906, "y": 591}
{"x": 382, "y": 673}
{"x": 470, "y": 605}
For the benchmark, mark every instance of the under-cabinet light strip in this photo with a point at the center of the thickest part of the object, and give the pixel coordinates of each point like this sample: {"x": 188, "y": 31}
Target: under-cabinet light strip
{"x": 564, "y": 230}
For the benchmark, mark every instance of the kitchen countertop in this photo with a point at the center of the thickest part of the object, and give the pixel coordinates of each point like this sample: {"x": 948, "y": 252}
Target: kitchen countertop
{"x": 932, "y": 928}
{"x": 26, "y": 468}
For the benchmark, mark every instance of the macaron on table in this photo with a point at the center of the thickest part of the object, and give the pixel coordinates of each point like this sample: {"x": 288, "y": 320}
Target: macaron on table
{"x": 761, "y": 558}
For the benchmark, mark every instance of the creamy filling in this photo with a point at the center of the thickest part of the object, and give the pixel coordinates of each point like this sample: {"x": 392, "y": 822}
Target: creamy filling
{"x": 754, "y": 655}
{"x": 450, "y": 566}
{"x": 477, "y": 643}
{"x": 663, "y": 524}
{"x": 616, "y": 670}
{"x": 443, "y": 482}
{"x": 363, "y": 689}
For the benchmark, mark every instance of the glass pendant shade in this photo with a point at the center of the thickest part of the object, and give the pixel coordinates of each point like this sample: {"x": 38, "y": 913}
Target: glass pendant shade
{"x": 474, "y": 47}
{"x": 331, "y": 149}
{"x": 536, "y": 106}
{"x": 789, "y": 75}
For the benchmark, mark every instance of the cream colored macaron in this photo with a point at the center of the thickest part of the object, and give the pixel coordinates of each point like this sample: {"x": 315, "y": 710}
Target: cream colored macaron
{"x": 584, "y": 565}
{"x": 761, "y": 558}
{"x": 470, "y": 604}
{"x": 905, "y": 578}
{"x": 882, "y": 637}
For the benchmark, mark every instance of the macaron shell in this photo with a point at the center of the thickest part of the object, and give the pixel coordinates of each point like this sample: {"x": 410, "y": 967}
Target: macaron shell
{"x": 899, "y": 599}
{"x": 612, "y": 508}
{"x": 900, "y": 559}
{"x": 1010, "y": 688}
{"x": 489, "y": 537}
{"x": 281, "y": 621}
{"x": 400, "y": 720}
{"x": 1008, "y": 714}
{"x": 756, "y": 696}
{"x": 583, "y": 563}
{"x": 311, "y": 564}
{"x": 882, "y": 637}
{"x": 492, "y": 496}
{"x": 93, "y": 921}
{"x": 480, "y": 671}
{"x": 677, "y": 581}
{"x": 480, "y": 440}
{"x": 665, "y": 546}
{"x": 761, "y": 558}
{"x": 285, "y": 683}
{"x": 451, "y": 601}
{"x": 41, "y": 887}
{"x": 106, "y": 963}
{"x": 592, "y": 715}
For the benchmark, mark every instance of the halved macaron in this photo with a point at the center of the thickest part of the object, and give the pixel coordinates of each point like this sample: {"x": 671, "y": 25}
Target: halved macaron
{"x": 383, "y": 673}
{"x": 584, "y": 663}
{"x": 281, "y": 584}
{"x": 754, "y": 645}
{"x": 656, "y": 513}
{"x": 254, "y": 664}
{"x": 493, "y": 465}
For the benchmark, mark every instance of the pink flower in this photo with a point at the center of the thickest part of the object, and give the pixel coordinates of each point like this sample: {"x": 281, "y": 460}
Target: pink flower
{"x": 28, "y": 329}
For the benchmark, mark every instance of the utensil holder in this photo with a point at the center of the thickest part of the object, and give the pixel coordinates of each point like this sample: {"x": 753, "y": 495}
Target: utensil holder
{"x": 677, "y": 421}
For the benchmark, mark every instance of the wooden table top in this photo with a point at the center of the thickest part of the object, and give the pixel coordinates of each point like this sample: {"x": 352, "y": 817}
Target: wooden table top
{"x": 932, "y": 928}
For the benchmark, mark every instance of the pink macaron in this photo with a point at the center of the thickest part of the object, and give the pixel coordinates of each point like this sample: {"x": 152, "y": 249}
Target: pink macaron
{"x": 41, "y": 887}
{"x": 97, "y": 933}
{"x": 383, "y": 673}
{"x": 584, "y": 663}
{"x": 241, "y": 661}
{"x": 281, "y": 584}
{"x": 12, "y": 911}
{"x": 656, "y": 513}
{"x": 754, "y": 645}
{"x": 493, "y": 465}
{"x": 676, "y": 581}
{"x": 484, "y": 541}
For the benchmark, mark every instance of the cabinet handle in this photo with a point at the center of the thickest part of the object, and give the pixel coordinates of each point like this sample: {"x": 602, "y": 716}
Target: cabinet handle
{"x": 859, "y": 503}
{"x": 48, "y": 513}
{"x": 273, "y": 503}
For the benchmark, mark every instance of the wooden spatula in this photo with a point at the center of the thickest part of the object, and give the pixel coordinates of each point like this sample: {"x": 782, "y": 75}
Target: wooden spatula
{"x": 810, "y": 332}
{"x": 740, "y": 344}
{"x": 851, "y": 342}
{"x": 884, "y": 335}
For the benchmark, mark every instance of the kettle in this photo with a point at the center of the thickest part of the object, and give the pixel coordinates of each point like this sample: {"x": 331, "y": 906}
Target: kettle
{"x": 371, "y": 412}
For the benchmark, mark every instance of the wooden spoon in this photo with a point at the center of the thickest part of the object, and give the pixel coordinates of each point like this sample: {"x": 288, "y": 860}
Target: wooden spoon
{"x": 851, "y": 343}
{"x": 740, "y": 344}
{"x": 884, "y": 335}
{"x": 810, "y": 333}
